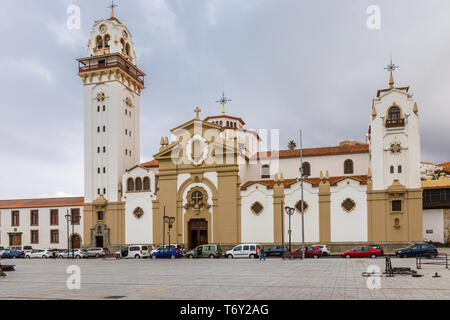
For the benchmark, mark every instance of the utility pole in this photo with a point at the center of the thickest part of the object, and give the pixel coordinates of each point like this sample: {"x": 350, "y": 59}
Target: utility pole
{"x": 301, "y": 188}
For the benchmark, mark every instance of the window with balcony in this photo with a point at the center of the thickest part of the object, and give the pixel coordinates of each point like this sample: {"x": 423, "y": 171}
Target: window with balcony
{"x": 394, "y": 118}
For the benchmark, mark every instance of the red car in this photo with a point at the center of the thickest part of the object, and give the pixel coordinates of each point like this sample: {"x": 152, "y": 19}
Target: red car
{"x": 310, "y": 252}
{"x": 362, "y": 252}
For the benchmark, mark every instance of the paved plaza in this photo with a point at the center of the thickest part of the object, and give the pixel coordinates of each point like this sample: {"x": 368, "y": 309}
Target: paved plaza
{"x": 223, "y": 279}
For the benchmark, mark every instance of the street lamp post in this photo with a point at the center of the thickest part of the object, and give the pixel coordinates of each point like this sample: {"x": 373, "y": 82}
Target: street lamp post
{"x": 169, "y": 221}
{"x": 68, "y": 219}
{"x": 289, "y": 211}
{"x": 302, "y": 176}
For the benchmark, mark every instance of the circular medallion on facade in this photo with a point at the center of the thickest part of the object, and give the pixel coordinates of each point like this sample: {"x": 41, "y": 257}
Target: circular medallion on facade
{"x": 103, "y": 28}
{"x": 396, "y": 147}
{"x": 348, "y": 205}
{"x": 298, "y": 206}
{"x": 197, "y": 149}
{"x": 138, "y": 212}
{"x": 100, "y": 96}
{"x": 257, "y": 208}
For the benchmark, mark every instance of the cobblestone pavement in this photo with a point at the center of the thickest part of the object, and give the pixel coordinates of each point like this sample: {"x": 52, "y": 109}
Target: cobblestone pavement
{"x": 224, "y": 279}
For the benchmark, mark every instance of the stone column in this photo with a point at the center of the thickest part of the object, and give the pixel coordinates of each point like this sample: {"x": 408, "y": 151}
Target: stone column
{"x": 278, "y": 210}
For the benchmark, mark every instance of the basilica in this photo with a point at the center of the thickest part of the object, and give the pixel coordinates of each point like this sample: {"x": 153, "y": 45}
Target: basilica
{"x": 210, "y": 181}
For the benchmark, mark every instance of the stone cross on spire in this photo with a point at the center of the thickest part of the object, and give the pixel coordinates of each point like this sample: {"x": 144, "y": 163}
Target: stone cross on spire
{"x": 197, "y": 111}
{"x": 223, "y": 100}
{"x": 112, "y": 6}
{"x": 391, "y": 68}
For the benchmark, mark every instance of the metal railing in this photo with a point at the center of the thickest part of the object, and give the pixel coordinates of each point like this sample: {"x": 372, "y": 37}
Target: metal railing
{"x": 439, "y": 260}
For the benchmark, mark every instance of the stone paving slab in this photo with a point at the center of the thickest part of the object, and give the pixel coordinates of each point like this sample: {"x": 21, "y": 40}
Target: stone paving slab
{"x": 223, "y": 279}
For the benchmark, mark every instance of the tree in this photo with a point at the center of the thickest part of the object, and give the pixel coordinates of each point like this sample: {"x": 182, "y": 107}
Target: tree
{"x": 292, "y": 145}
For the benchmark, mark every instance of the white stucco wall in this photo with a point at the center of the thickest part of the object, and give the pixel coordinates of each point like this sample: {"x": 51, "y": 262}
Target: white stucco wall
{"x": 139, "y": 230}
{"x": 257, "y": 228}
{"x": 44, "y": 227}
{"x": 348, "y": 226}
{"x": 433, "y": 219}
{"x": 311, "y": 219}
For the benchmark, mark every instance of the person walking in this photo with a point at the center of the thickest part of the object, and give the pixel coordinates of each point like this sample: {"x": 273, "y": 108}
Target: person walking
{"x": 261, "y": 254}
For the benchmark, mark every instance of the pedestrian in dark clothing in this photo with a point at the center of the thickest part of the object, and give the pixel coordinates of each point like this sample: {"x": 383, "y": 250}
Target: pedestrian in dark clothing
{"x": 261, "y": 254}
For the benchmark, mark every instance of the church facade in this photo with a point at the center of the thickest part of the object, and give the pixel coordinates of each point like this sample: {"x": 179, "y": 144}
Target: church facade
{"x": 211, "y": 182}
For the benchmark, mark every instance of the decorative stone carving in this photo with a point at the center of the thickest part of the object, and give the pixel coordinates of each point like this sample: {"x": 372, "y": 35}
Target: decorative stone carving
{"x": 298, "y": 206}
{"x": 197, "y": 199}
{"x": 138, "y": 212}
{"x": 348, "y": 205}
{"x": 257, "y": 208}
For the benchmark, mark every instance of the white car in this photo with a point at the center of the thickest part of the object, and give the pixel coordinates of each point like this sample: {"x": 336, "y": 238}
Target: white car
{"x": 77, "y": 254}
{"x": 137, "y": 252}
{"x": 243, "y": 251}
{"x": 324, "y": 249}
{"x": 39, "y": 253}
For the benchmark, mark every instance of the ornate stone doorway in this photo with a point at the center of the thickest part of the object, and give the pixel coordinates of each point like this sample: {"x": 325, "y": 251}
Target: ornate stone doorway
{"x": 100, "y": 235}
{"x": 198, "y": 232}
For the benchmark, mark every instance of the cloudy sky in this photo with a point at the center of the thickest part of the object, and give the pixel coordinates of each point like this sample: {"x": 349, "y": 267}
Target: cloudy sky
{"x": 286, "y": 64}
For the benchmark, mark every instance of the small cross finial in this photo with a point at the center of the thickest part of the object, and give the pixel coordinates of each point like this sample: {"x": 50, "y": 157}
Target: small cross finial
{"x": 223, "y": 100}
{"x": 391, "y": 68}
{"x": 112, "y": 6}
{"x": 197, "y": 111}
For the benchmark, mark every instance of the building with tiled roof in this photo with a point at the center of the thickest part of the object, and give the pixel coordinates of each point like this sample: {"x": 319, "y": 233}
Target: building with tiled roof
{"x": 219, "y": 183}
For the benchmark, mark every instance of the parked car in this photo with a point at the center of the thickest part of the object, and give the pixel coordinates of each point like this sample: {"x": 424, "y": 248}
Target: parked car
{"x": 166, "y": 253}
{"x": 12, "y": 254}
{"x": 39, "y": 253}
{"x": 323, "y": 249}
{"x": 137, "y": 252}
{"x": 205, "y": 251}
{"x": 97, "y": 252}
{"x": 175, "y": 245}
{"x": 243, "y": 251}
{"x": 1, "y": 251}
{"x": 418, "y": 250}
{"x": 275, "y": 251}
{"x": 376, "y": 246}
{"x": 77, "y": 254}
{"x": 362, "y": 252}
{"x": 54, "y": 252}
{"x": 25, "y": 249}
{"x": 310, "y": 252}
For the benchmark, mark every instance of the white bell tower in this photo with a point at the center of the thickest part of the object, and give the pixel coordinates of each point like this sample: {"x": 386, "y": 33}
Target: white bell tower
{"x": 112, "y": 87}
{"x": 394, "y": 138}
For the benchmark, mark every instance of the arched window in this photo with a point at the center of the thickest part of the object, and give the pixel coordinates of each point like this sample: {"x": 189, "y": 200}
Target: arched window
{"x": 399, "y": 169}
{"x": 265, "y": 171}
{"x": 99, "y": 42}
{"x": 138, "y": 184}
{"x": 106, "y": 39}
{"x": 127, "y": 49}
{"x": 130, "y": 185}
{"x": 122, "y": 42}
{"x": 306, "y": 169}
{"x": 394, "y": 113}
{"x": 348, "y": 166}
{"x": 146, "y": 183}
{"x": 228, "y": 123}
{"x": 392, "y": 169}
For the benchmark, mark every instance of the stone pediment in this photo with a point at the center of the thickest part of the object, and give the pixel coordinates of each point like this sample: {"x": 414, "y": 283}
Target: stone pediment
{"x": 100, "y": 201}
{"x": 396, "y": 188}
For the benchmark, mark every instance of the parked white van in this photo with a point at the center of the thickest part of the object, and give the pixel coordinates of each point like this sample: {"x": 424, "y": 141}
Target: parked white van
{"x": 137, "y": 252}
{"x": 243, "y": 251}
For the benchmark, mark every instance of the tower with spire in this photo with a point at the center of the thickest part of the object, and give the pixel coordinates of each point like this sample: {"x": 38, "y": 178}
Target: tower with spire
{"x": 394, "y": 198}
{"x": 112, "y": 85}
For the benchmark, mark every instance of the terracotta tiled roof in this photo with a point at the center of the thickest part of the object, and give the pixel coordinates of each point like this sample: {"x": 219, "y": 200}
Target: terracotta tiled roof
{"x": 312, "y": 152}
{"x": 314, "y": 181}
{"x": 445, "y": 165}
{"x": 423, "y": 162}
{"x": 42, "y": 202}
{"x": 150, "y": 164}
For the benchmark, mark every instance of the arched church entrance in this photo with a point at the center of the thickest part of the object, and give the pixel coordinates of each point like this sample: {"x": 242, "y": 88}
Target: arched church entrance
{"x": 198, "y": 232}
{"x": 100, "y": 235}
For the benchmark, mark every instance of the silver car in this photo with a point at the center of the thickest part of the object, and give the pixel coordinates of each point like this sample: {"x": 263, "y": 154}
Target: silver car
{"x": 39, "y": 253}
{"x": 77, "y": 254}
